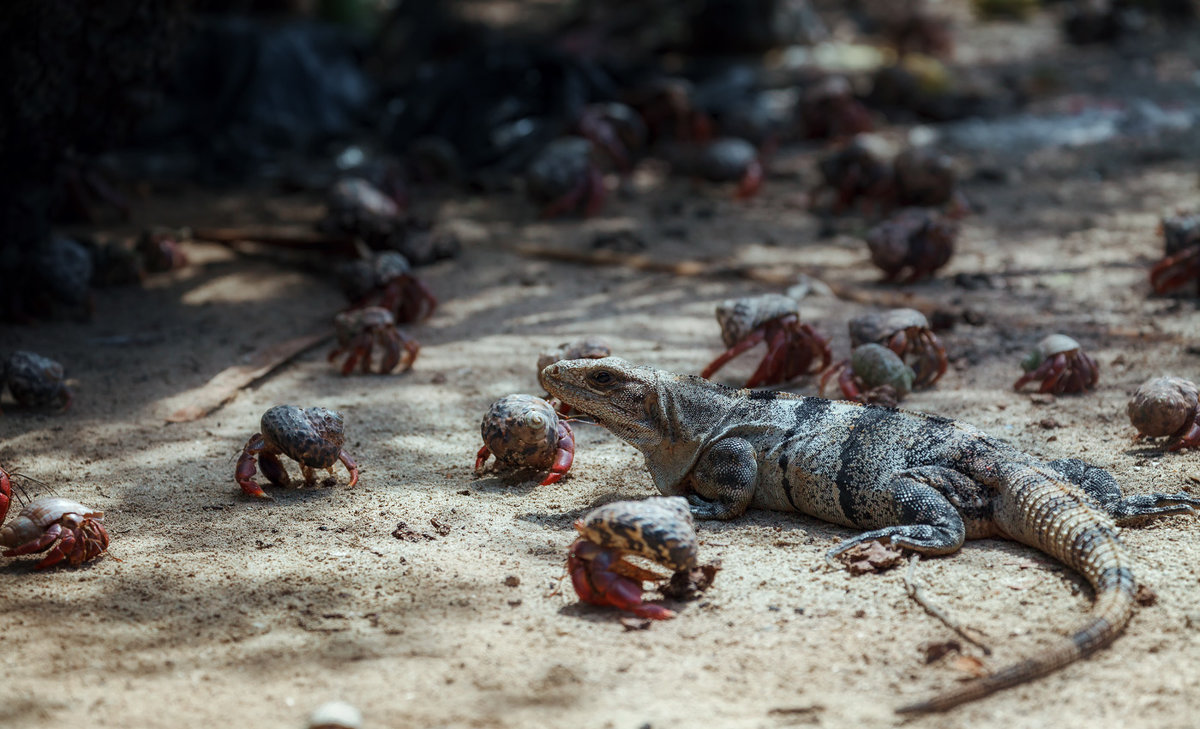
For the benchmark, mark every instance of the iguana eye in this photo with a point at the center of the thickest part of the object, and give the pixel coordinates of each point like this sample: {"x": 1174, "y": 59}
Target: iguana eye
{"x": 603, "y": 377}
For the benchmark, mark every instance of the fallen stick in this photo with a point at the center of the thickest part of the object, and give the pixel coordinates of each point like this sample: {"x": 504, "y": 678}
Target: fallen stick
{"x": 773, "y": 275}
{"x": 229, "y": 382}
{"x": 918, "y": 594}
{"x": 280, "y": 236}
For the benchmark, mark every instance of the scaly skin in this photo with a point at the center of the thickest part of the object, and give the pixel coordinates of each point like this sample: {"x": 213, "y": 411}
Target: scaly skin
{"x": 922, "y": 482}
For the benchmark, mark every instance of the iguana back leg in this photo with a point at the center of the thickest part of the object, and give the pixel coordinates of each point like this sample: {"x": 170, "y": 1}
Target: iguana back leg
{"x": 1101, "y": 486}
{"x": 921, "y": 509}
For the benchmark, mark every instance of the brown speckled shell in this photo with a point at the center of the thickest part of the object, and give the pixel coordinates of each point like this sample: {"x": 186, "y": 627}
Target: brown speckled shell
{"x": 881, "y": 325}
{"x": 311, "y": 436}
{"x": 1162, "y": 405}
{"x": 521, "y": 431}
{"x": 35, "y": 381}
{"x": 659, "y": 529}
{"x": 586, "y": 348}
{"x": 917, "y": 237}
{"x": 739, "y": 317}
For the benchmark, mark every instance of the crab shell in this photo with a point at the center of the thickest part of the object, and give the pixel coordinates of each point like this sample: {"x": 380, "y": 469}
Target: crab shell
{"x": 40, "y": 514}
{"x": 1047, "y": 348}
{"x": 559, "y": 168}
{"x": 354, "y": 195}
{"x": 521, "y": 431}
{"x": 659, "y": 529}
{"x": 739, "y": 317}
{"x": 36, "y": 381}
{"x": 917, "y": 237}
{"x": 1163, "y": 405}
{"x": 725, "y": 159}
{"x": 877, "y": 327}
{"x": 924, "y": 177}
{"x": 1179, "y": 232}
{"x": 586, "y": 348}
{"x": 311, "y": 436}
{"x": 349, "y": 324}
{"x": 876, "y": 365}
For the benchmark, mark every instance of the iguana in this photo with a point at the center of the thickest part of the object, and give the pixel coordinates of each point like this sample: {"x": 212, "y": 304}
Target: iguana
{"x": 922, "y": 482}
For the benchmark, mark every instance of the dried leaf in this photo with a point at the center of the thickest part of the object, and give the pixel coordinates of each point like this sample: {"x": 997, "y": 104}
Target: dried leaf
{"x": 969, "y": 665}
{"x": 406, "y": 534}
{"x": 195, "y": 404}
{"x": 873, "y": 556}
{"x": 689, "y": 584}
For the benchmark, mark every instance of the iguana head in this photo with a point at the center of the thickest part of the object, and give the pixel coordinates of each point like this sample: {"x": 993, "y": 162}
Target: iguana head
{"x": 668, "y": 417}
{"x": 622, "y": 397}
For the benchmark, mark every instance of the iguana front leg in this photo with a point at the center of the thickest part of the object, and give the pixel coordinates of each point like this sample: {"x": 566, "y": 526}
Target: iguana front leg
{"x": 914, "y": 510}
{"x": 1101, "y": 486}
{"x": 723, "y": 479}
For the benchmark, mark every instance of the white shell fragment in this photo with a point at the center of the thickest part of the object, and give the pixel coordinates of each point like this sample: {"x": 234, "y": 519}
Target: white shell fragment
{"x": 335, "y": 715}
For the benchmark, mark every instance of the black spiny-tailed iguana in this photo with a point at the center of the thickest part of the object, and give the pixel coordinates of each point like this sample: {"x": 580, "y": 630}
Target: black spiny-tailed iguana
{"x": 923, "y": 482}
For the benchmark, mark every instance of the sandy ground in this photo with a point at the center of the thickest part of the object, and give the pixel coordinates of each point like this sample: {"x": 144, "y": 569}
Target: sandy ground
{"x": 215, "y": 610}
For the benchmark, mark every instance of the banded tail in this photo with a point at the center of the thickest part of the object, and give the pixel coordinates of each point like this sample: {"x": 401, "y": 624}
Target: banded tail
{"x": 1038, "y": 507}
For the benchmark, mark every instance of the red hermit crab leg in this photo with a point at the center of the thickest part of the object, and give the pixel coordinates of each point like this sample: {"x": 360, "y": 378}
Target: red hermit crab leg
{"x": 246, "y": 467}
{"x": 565, "y": 455}
{"x": 772, "y": 363}
{"x": 481, "y": 457}
{"x": 1058, "y": 368}
{"x": 350, "y": 465}
{"x": 5, "y": 494}
{"x": 45, "y": 540}
{"x": 751, "y": 339}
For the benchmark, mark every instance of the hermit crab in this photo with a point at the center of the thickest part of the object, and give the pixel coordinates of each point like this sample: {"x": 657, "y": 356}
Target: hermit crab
{"x": 36, "y": 381}
{"x": 524, "y": 432}
{"x": 1061, "y": 365}
{"x": 311, "y": 436}
{"x": 658, "y": 529}
{"x": 858, "y": 175}
{"x": 387, "y": 280}
{"x": 615, "y": 129}
{"x": 918, "y": 241}
{"x": 1167, "y": 407}
{"x": 793, "y": 347}
{"x": 727, "y": 159}
{"x": 906, "y": 332}
{"x": 71, "y": 531}
{"x": 564, "y": 178}
{"x": 876, "y": 375}
{"x": 360, "y": 330}
{"x": 1181, "y": 236}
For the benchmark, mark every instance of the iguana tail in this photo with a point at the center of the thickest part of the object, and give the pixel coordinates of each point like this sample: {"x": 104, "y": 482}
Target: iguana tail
{"x": 1038, "y": 507}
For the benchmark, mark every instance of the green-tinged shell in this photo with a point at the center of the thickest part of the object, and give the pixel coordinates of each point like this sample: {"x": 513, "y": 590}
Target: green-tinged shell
{"x": 1048, "y": 347}
{"x": 877, "y": 365}
{"x": 1162, "y": 406}
{"x": 659, "y": 529}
